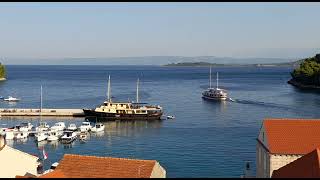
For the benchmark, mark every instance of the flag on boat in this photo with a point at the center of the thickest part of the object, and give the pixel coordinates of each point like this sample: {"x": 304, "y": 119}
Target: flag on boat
{"x": 45, "y": 155}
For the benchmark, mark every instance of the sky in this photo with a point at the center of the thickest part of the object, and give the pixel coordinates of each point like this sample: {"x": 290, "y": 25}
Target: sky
{"x": 105, "y": 29}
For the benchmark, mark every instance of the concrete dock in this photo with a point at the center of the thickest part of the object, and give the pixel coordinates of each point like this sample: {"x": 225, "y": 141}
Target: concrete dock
{"x": 44, "y": 112}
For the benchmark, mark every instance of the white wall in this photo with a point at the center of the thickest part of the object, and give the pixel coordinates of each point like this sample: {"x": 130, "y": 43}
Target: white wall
{"x": 14, "y": 162}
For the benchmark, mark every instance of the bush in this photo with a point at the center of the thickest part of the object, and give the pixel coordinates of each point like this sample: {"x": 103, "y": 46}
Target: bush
{"x": 2, "y": 71}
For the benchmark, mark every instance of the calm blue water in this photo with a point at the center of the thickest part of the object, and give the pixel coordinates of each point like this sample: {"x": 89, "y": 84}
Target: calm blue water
{"x": 206, "y": 139}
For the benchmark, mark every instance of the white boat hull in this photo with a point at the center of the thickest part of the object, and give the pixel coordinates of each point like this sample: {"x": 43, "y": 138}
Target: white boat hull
{"x": 85, "y": 128}
{"x": 41, "y": 137}
{"x": 215, "y": 98}
{"x": 21, "y": 135}
{"x": 10, "y": 135}
{"x": 52, "y": 138}
{"x": 97, "y": 129}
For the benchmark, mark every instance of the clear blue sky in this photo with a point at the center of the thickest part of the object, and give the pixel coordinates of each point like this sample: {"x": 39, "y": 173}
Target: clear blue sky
{"x": 59, "y": 30}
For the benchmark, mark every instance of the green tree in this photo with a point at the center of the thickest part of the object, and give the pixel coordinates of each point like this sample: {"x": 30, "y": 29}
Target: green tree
{"x": 2, "y": 71}
{"x": 308, "y": 72}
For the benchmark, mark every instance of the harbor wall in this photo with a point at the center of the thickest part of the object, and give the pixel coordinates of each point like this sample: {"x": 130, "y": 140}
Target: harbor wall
{"x": 44, "y": 112}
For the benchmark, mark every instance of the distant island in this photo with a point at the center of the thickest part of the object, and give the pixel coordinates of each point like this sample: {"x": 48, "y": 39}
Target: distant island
{"x": 205, "y": 64}
{"x": 2, "y": 72}
{"x": 307, "y": 75}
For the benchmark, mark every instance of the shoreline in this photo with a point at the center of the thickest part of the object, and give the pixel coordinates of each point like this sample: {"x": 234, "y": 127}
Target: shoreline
{"x": 3, "y": 79}
{"x": 302, "y": 86}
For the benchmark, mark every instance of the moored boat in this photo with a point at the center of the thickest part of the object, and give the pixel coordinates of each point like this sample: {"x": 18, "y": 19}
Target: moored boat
{"x": 68, "y": 137}
{"x": 85, "y": 126}
{"x": 59, "y": 126}
{"x": 83, "y": 136}
{"x": 42, "y": 126}
{"x": 125, "y": 110}
{"x": 54, "y": 135}
{"x": 41, "y": 136}
{"x": 72, "y": 127}
{"x": 98, "y": 127}
{"x": 12, "y": 99}
{"x": 26, "y": 126}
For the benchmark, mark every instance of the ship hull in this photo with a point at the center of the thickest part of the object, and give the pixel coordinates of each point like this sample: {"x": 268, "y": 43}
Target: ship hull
{"x": 112, "y": 116}
{"x": 215, "y": 98}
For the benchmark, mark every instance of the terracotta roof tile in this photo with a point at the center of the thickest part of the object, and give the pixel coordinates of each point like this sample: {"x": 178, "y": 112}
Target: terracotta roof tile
{"x": 53, "y": 174}
{"x": 73, "y": 166}
{"x": 305, "y": 167}
{"x": 292, "y": 136}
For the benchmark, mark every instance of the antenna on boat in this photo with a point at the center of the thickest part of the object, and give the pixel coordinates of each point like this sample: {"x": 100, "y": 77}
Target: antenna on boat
{"x": 138, "y": 90}
{"x": 217, "y": 79}
{"x": 210, "y": 78}
{"x": 109, "y": 90}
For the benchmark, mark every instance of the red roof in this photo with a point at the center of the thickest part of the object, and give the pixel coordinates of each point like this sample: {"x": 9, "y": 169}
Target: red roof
{"x": 292, "y": 136}
{"x": 78, "y": 166}
{"x": 305, "y": 167}
{"x": 54, "y": 174}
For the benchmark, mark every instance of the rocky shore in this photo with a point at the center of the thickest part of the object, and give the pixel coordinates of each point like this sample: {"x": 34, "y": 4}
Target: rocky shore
{"x": 302, "y": 86}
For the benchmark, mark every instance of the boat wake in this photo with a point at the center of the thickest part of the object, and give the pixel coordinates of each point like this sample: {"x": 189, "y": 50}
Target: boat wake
{"x": 260, "y": 103}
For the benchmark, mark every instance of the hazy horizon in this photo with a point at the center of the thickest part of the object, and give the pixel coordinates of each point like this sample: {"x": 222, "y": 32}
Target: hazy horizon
{"x": 144, "y": 60}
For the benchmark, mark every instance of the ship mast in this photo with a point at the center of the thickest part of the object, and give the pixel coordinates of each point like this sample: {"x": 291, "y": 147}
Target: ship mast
{"x": 138, "y": 90}
{"x": 210, "y": 78}
{"x": 40, "y": 103}
{"x": 217, "y": 79}
{"x": 109, "y": 90}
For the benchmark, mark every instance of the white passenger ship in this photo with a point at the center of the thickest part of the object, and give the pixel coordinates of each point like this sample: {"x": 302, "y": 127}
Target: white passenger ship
{"x": 215, "y": 93}
{"x": 125, "y": 110}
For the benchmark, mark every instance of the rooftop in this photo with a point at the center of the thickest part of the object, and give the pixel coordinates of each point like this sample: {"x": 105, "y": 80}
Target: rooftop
{"x": 305, "y": 167}
{"x": 78, "y": 166}
{"x": 292, "y": 136}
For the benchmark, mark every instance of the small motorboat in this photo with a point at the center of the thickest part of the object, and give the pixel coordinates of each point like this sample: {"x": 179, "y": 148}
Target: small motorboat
{"x": 83, "y": 136}
{"x": 10, "y": 133}
{"x": 60, "y": 126}
{"x": 43, "y": 126}
{"x": 170, "y": 117}
{"x": 25, "y": 126}
{"x": 68, "y": 137}
{"x": 72, "y": 127}
{"x": 41, "y": 136}
{"x": 85, "y": 126}
{"x": 12, "y": 99}
{"x": 98, "y": 128}
{"x": 21, "y": 135}
{"x": 54, "y": 135}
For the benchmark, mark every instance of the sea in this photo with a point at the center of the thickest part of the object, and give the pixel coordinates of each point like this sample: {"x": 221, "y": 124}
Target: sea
{"x": 206, "y": 139}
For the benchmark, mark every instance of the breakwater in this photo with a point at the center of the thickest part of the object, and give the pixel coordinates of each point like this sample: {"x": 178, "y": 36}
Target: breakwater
{"x": 43, "y": 112}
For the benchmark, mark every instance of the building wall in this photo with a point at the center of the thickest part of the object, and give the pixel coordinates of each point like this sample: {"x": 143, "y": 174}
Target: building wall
{"x": 262, "y": 161}
{"x": 262, "y": 155}
{"x": 278, "y": 161}
{"x": 158, "y": 171}
{"x": 15, "y": 162}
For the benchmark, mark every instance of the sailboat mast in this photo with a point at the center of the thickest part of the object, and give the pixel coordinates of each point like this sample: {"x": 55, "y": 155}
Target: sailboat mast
{"x": 40, "y": 102}
{"x": 109, "y": 90}
{"x": 138, "y": 90}
{"x": 217, "y": 79}
{"x": 210, "y": 78}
